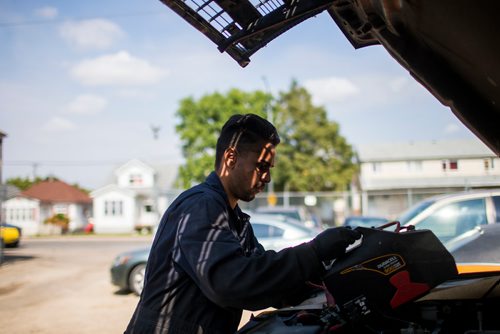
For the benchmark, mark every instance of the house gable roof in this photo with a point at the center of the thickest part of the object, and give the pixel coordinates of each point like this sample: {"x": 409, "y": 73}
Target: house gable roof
{"x": 112, "y": 188}
{"x": 424, "y": 150}
{"x": 134, "y": 163}
{"x": 165, "y": 174}
{"x": 57, "y": 191}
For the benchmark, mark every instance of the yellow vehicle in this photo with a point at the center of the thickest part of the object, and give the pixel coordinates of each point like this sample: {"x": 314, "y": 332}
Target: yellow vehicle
{"x": 10, "y": 234}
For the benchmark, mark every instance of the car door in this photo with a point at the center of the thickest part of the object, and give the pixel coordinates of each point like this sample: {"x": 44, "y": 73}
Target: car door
{"x": 496, "y": 211}
{"x": 269, "y": 236}
{"x": 455, "y": 218}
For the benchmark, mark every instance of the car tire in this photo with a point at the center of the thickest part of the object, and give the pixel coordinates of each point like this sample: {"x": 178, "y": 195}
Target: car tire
{"x": 136, "y": 279}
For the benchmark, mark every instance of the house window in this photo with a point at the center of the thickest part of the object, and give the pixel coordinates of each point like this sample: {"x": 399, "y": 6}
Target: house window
{"x": 113, "y": 208}
{"x": 489, "y": 164}
{"x": 135, "y": 179}
{"x": 60, "y": 209}
{"x": 449, "y": 164}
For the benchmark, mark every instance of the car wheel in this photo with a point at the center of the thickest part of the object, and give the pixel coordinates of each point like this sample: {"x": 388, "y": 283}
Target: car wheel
{"x": 136, "y": 278}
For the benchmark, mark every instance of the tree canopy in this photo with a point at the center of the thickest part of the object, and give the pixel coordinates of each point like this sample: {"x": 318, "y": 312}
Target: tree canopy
{"x": 200, "y": 124}
{"x": 312, "y": 156}
{"x": 24, "y": 183}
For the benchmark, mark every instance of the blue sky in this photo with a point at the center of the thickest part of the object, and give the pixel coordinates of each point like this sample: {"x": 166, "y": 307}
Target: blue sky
{"x": 82, "y": 82}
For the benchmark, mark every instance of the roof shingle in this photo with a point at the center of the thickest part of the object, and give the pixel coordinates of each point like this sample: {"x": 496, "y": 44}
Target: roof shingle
{"x": 56, "y": 191}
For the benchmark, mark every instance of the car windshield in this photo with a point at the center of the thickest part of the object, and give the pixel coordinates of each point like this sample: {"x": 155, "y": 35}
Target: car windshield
{"x": 365, "y": 221}
{"x": 414, "y": 211}
{"x": 294, "y": 214}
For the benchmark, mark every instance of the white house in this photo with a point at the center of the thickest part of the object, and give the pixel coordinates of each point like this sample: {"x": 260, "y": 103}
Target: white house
{"x": 136, "y": 198}
{"x": 30, "y": 208}
{"x": 397, "y": 175}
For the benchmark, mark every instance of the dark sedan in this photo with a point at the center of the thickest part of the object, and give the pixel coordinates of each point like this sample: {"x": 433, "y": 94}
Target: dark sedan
{"x": 128, "y": 268}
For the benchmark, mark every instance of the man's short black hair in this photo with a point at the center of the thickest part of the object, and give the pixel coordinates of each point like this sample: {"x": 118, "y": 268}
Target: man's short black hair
{"x": 245, "y": 133}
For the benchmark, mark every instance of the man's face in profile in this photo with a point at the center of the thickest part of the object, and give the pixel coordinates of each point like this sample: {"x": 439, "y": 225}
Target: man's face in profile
{"x": 253, "y": 171}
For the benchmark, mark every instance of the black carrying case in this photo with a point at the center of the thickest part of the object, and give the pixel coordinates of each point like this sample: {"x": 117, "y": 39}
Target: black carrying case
{"x": 389, "y": 269}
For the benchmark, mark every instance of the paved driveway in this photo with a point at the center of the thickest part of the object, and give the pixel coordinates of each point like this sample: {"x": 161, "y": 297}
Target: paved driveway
{"x": 62, "y": 285}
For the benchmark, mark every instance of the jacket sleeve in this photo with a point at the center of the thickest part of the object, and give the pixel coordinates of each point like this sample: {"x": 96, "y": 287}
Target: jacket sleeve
{"x": 212, "y": 256}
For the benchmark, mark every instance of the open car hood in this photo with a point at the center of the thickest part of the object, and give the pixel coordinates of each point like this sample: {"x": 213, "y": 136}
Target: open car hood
{"x": 450, "y": 46}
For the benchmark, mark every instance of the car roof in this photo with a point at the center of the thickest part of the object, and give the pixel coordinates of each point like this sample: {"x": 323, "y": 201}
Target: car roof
{"x": 465, "y": 195}
{"x": 274, "y": 218}
{"x": 449, "y": 47}
{"x": 277, "y": 208}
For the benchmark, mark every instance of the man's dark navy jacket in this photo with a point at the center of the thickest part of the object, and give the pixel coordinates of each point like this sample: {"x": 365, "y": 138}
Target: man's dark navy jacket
{"x": 205, "y": 266}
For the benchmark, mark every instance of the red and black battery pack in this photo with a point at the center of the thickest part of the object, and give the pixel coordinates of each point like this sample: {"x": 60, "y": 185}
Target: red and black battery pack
{"x": 389, "y": 269}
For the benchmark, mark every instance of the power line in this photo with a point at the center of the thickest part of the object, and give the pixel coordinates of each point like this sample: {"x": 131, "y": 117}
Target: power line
{"x": 55, "y": 21}
{"x": 75, "y": 163}
{"x": 84, "y": 163}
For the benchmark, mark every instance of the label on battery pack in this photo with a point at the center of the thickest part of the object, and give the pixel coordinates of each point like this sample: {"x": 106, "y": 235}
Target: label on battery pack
{"x": 384, "y": 265}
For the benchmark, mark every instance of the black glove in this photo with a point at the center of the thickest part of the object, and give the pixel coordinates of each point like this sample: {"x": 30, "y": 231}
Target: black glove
{"x": 332, "y": 243}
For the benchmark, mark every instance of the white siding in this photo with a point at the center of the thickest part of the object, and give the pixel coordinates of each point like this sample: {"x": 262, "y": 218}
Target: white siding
{"x": 431, "y": 172}
{"x": 117, "y": 223}
{"x": 24, "y": 213}
{"x": 77, "y": 215}
{"x": 135, "y": 172}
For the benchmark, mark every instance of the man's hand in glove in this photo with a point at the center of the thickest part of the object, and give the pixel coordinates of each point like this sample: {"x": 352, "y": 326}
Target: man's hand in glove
{"x": 332, "y": 243}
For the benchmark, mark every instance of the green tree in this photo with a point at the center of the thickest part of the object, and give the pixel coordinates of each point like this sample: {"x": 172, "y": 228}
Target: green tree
{"x": 313, "y": 155}
{"x": 200, "y": 124}
{"x": 23, "y": 183}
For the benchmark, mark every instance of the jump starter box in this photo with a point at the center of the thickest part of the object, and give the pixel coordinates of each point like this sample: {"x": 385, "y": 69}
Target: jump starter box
{"x": 389, "y": 269}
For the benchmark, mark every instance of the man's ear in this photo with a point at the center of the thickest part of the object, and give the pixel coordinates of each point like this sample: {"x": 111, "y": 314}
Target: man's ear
{"x": 230, "y": 157}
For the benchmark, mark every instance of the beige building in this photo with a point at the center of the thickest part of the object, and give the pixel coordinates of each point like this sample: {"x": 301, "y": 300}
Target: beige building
{"x": 397, "y": 175}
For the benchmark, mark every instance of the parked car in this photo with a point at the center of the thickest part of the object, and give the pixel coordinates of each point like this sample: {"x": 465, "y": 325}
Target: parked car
{"x": 298, "y": 213}
{"x": 274, "y": 232}
{"x": 451, "y": 215}
{"x": 365, "y": 221}
{"x": 479, "y": 245}
{"x": 128, "y": 268}
{"x": 10, "y": 234}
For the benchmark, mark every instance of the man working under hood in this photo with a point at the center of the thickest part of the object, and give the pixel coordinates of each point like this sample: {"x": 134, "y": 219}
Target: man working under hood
{"x": 205, "y": 264}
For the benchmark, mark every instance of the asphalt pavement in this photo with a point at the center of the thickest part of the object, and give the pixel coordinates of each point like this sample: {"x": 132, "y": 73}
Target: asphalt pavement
{"x": 62, "y": 285}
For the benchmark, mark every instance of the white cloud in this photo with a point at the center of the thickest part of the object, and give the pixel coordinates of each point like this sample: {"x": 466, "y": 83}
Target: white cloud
{"x": 451, "y": 128}
{"x": 119, "y": 69}
{"x": 58, "y": 124}
{"x": 91, "y": 34}
{"x": 327, "y": 90}
{"x": 87, "y": 104}
{"x": 47, "y": 12}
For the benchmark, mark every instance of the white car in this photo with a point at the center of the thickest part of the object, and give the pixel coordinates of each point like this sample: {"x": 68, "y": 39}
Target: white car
{"x": 276, "y": 232}
{"x": 451, "y": 215}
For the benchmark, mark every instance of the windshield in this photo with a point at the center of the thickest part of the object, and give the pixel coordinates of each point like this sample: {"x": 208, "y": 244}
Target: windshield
{"x": 414, "y": 210}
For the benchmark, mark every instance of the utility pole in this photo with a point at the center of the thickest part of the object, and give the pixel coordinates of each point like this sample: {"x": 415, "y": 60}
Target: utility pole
{"x": 271, "y": 196}
{"x": 34, "y": 167}
{"x": 3, "y": 191}
{"x": 156, "y": 130}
